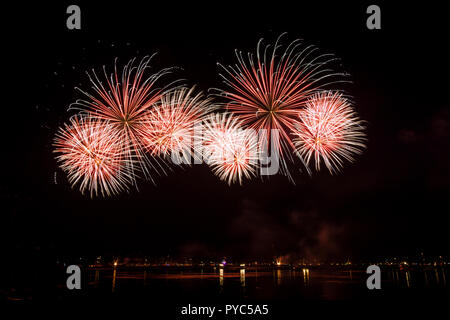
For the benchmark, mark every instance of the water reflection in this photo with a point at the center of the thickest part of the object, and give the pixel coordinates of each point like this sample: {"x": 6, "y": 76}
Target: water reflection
{"x": 328, "y": 283}
{"x": 408, "y": 279}
{"x": 114, "y": 280}
{"x": 444, "y": 281}
{"x": 305, "y": 276}
{"x": 411, "y": 278}
{"x": 221, "y": 277}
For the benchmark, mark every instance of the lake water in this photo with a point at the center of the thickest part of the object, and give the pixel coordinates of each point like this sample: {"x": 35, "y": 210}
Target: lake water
{"x": 167, "y": 290}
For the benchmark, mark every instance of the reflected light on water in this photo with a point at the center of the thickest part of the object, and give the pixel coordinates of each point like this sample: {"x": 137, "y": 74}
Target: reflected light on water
{"x": 305, "y": 276}
{"x": 221, "y": 277}
{"x": 114, "y": 280}
{"x": 242, "y": 277}
{"x": 247, "y": 278}
{"x": 444, "y": 281}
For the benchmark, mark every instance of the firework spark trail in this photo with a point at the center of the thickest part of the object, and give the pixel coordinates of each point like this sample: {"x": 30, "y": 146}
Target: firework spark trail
{"x": 328, "y": 130}
{"x": 231, "y": 151}
{"x": 275, "y": 99}
{"x": 170, "y": 124}
{"x": 91, "y": 153}
{"x": 268, "y": 92}
{"x": 124, "y": 102}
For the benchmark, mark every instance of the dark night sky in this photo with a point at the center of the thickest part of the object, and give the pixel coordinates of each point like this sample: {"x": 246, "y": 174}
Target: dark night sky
{"x": 392, "y": 201}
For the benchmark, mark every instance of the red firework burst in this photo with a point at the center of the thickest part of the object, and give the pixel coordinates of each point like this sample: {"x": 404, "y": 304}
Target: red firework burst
{"x": 268, "y": 92}
{"x": 231, "y": 151}
{"x": 124, "y": 102}
{"x": 328, "y": 130}
{"x": 170, "y": 124}
{"x": 91, "y": 153}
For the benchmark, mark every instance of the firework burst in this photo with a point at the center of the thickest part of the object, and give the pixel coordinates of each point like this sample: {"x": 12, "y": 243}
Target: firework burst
{"x": 231, "y": 151}
{"x": 268, "y": 91}
{"x": 170, "y": 124}
{"x": 124, "y": 102}
{"x": 328, "y": 130}
{"x": 91, "y": 153}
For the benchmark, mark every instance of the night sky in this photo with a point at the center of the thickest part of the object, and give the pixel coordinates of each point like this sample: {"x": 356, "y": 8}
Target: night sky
{"x": 392, "y": 201}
